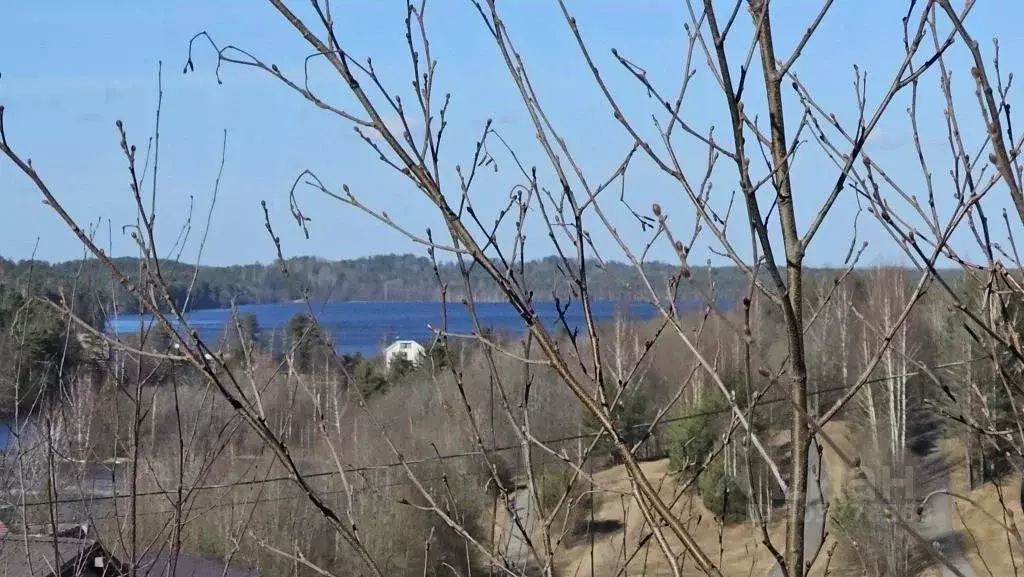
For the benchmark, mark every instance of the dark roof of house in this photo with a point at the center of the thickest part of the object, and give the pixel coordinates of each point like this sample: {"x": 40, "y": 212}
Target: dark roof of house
{"x": 160, "y": 565}
{"x": 40, "y": 560}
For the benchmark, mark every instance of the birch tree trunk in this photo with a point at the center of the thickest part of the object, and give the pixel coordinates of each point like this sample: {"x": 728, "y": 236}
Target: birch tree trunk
{"x": 869, "y": 397}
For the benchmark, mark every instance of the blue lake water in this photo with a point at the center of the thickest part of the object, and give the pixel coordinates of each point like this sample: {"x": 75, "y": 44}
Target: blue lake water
{"x": 366, "y": 327}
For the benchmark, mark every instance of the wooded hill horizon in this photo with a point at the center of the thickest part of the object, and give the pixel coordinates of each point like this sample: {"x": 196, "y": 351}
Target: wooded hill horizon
{"x": 378, "y": 278}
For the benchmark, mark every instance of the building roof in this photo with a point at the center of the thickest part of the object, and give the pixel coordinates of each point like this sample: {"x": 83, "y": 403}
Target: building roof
{"x": 78, "y": 554}
{"x": 159, "y": 564}
{"x": 39, "y": 560}
{"x": 404, "y": 341}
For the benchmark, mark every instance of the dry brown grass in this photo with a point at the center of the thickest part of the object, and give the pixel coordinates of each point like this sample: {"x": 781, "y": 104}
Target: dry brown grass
{"x": 736, "y": 549}
{"x": 837, "y": 471}
{"x": 989, "y": 547}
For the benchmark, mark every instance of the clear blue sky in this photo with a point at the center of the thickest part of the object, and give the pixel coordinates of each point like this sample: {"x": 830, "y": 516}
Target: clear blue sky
{"x": 70, "y": 69}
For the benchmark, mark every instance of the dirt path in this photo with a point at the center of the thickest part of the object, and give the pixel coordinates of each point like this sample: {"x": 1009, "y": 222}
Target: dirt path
{"x": 516, "y": 549}
{"x": 814, "y": 517}
{"x": 937, "y": 519}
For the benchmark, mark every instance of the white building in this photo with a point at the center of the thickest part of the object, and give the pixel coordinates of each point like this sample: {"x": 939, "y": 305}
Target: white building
{"x": 408, "y": 350}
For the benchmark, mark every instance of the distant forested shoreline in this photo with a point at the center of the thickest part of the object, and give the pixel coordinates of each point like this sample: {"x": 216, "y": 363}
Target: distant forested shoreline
{"x": 398, "y": 278}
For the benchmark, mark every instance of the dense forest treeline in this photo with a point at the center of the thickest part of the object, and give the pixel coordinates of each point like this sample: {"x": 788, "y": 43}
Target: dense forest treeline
{"x": 376, "y": 278}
